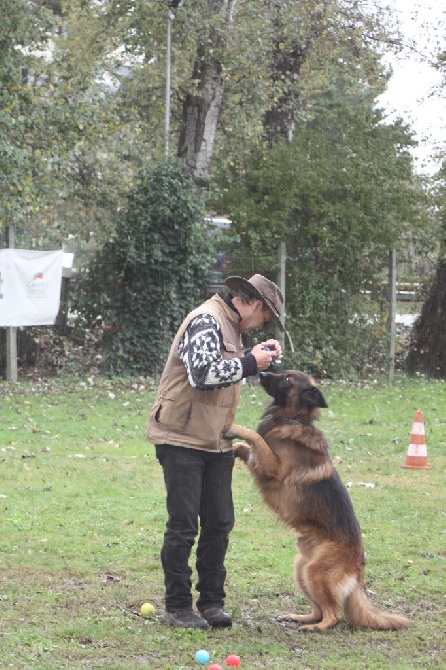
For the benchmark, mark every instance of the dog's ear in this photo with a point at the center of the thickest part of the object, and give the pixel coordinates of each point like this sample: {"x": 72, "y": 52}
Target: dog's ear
{"x": 312, "y": 397}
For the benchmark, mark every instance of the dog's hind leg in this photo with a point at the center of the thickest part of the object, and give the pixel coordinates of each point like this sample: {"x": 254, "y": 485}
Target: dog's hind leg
{"x": 315, "y": 578}
{"x": 333, "y": 575}
{"x": 315, "y": 615}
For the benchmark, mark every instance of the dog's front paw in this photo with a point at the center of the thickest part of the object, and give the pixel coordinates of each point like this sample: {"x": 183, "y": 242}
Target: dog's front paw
{"x": 232, "y": 432}
{"x": 241, "y": 450}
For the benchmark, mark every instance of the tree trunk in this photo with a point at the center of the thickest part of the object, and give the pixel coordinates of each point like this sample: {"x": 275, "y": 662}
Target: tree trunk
{"x": 427, "y": 353}
{"x": 289, "y": 55}
{"x": 202, "y": 106}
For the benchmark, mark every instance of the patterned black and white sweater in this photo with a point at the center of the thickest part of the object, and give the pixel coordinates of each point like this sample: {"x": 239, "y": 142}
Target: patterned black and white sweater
{"x": 200, "y": 348}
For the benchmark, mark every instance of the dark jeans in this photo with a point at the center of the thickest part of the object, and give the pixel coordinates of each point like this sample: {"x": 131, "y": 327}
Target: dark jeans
{"x": 198, "y": 486}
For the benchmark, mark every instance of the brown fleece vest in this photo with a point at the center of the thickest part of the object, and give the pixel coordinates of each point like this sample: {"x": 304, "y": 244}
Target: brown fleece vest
{"x": 188, "y": 417}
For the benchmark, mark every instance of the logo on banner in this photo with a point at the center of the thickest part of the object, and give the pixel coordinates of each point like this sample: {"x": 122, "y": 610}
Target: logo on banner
{"x": 37, "y": 286}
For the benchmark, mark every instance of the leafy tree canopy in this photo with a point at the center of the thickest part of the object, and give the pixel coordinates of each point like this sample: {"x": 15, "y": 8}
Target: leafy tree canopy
{"x": 151, "y": 272}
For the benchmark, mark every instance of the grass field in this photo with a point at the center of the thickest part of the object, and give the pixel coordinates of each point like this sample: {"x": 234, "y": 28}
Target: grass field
{"x": 82, "y": 519}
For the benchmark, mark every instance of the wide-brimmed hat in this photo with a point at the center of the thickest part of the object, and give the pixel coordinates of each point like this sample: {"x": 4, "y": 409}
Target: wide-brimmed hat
{"x": 260, "y": 287}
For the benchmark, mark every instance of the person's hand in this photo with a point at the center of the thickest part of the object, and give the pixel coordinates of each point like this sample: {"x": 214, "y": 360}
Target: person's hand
{"x": 276, "y": 349}
{"x": 264, "y": 354}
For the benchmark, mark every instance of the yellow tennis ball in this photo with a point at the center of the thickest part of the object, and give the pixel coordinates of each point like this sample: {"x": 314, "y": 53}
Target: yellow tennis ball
{"x": 147, "y": 610}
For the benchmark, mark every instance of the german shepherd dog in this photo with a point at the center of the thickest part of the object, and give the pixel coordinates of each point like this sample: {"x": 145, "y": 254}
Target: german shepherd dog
{"x": 289, "y": 461}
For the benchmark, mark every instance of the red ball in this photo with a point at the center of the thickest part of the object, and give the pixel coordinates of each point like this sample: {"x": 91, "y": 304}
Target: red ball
{"x": 232, "y": 660}
{"x": 215, "y": 667}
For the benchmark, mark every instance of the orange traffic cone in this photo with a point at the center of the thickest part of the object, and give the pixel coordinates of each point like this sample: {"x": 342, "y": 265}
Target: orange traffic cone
{"x": 416, "y": 458}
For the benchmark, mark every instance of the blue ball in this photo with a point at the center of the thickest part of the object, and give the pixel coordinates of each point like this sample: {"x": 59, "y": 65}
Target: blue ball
{"x": 202, "y": 656}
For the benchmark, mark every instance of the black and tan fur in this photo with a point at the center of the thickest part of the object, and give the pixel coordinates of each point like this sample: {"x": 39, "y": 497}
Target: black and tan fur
{"x": 289, "y": 461}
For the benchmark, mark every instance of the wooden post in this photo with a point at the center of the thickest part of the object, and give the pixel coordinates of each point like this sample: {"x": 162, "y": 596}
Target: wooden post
{"x": 11, "y": 331}
{"x": 281, "y": 284}
{"x": 391, "y": 323}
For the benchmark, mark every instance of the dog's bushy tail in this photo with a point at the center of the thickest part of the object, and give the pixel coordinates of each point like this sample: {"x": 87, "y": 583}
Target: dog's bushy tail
{"x": 362, "y": 613}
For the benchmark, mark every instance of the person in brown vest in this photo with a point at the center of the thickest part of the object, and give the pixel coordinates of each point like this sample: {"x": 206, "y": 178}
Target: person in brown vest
{"x": 196, "y": 403}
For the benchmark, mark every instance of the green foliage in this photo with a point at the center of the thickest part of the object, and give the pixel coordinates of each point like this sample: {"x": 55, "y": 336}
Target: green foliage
{"x": 22, "y": 29}
{"x": 150, "y": 273}
{"x": 339, "y": 196}
{"x": 64, "y": 148}
{"x": 82, "y": 106}
{"x": 334, "y": 334}
{"x": 90, "y": 101}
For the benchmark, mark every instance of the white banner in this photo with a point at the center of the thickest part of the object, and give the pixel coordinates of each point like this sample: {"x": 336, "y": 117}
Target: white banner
{"x": 29, "y": 287}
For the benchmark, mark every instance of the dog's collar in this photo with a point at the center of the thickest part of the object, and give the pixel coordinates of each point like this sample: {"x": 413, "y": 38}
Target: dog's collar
{"x": 304, "y": 423}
